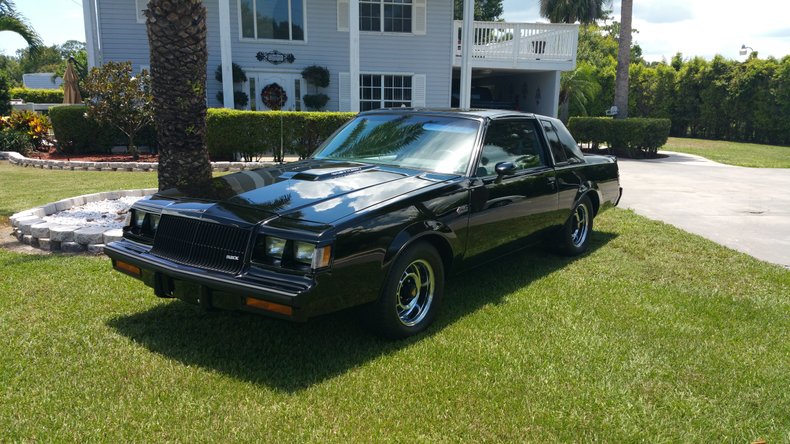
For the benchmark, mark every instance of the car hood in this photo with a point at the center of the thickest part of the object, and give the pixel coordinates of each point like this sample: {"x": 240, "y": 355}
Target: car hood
{"x": 312, "y": 190}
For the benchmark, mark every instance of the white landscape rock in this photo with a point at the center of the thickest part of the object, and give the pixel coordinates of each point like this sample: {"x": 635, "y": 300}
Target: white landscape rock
{"x": 77, "y": 224}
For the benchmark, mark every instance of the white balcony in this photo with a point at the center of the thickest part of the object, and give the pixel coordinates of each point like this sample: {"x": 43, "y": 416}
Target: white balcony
{"x": 531, "y": 46}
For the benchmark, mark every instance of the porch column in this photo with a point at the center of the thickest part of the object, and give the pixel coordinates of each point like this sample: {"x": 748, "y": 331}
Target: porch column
{"x": 226, "y": 54}
{"x": 467, "y": 39}
{"x": 353, "y": 54}
{"x": 91, "y": 34}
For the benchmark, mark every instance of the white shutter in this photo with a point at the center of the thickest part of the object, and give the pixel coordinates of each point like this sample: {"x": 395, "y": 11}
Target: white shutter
{"x": 344, "y": 93}
{"x": 140, "y": 5}
{"x": 342, "y": 15}
{"x": 418, "y": 91}
{"x": 419, "y": 17}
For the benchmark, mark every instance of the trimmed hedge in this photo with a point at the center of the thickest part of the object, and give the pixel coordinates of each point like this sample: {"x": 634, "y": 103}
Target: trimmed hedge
{"x": 229, "y": 133}
{"x": 37, "y": 95}
{"x": 635, "y": 138}
{"x": 251, "y": 134}
{"x": 76, "y": 133}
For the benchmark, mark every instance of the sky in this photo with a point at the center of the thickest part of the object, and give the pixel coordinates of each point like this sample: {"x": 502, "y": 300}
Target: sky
{"x": 694, "y": 27}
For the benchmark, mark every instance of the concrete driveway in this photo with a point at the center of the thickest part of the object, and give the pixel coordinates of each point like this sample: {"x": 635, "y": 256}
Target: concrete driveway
{"x": 747, "y": 209}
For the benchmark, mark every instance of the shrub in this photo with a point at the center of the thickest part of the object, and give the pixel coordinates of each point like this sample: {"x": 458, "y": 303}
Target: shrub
{"x": 5, "y": 97}
{"x": 120, "y": 98}
{"x": 315, "y": 101}
{"x": 316, "y": 75}
{"x": 251, "y": 134}
{"x": 240, "y": 99}
{"x": 636, "y": 138}
{"x": 239, "y": 75}
{"x": 37, "y": 95}
{"x": 76, "y": 133}
{"x": 11, "y": 140}
{"x": 33, "y": 125}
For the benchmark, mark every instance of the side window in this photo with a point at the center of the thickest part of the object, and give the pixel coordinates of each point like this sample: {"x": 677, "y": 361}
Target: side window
{"x": 554, "y": 142}
{"x": 510, "y": 140}
{"x": 572, "y": 151}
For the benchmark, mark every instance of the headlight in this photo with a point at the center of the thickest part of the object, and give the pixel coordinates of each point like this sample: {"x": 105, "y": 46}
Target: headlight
{"x": 153, "y": 221}
{"x": 138, "y": 217}
{"x": 287, "y": 253}
{"x": 275, "y": 247}
{"x": 303, "y": 252}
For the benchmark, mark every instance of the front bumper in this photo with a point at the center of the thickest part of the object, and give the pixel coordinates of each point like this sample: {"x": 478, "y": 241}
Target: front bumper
{"x": 288, "y": 294}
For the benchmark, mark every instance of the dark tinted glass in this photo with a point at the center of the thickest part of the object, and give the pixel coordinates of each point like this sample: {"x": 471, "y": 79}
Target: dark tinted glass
{"x": 554, "y": 142}
{"x": 512, "y": 140}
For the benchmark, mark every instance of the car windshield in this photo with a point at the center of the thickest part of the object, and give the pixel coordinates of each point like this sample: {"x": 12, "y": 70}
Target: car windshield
{"x": 430, "y": 143}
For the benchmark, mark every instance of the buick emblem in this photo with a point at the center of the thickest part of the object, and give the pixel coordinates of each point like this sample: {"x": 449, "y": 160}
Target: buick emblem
{"x": 231, "y": 257}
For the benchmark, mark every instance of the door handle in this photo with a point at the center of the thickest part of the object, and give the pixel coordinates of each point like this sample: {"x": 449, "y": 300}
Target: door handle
{"x": 551, "y": 180}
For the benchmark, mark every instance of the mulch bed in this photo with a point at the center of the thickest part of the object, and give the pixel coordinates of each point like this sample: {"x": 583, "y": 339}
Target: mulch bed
{"x": 95, "y": 157}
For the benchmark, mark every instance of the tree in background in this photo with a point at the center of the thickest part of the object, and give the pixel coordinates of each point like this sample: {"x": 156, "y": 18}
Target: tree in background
{"x": 572, "y": 11}
{"x": 11, "y": 20}
{"x": 178, "y": 54}
{"x": 485, "y": 10}
{"x": 623, "y": 60}
{"x": 578, "y": 88}
{"x": 117, "y": 97}
{"x": 44, "y": 59}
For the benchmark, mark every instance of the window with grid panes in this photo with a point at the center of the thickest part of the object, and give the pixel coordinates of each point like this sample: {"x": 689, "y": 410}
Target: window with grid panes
{"x": 272, "y": 19}
{"x": 385, "y": 15}
{"x": 384, "y": 91}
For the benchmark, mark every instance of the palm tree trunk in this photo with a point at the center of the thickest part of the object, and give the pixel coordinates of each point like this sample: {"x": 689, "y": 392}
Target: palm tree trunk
{"x": 177, "y": 40}
{"x": 623, "y": 60}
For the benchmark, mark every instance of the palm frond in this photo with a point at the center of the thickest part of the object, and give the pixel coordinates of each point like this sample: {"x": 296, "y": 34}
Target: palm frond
{"x": 10, "y": 20}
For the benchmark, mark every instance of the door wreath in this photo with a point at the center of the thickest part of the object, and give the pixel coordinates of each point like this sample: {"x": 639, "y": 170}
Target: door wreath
{"x": 274, "y": 96}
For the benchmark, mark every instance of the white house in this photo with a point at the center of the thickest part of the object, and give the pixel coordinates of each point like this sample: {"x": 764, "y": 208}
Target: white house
{"x": 380, "y": 53}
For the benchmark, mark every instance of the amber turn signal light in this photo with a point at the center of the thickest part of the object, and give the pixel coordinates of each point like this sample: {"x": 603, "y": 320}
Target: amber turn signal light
{"x": 128, "y": 268}
{"x": 269, "y": 306}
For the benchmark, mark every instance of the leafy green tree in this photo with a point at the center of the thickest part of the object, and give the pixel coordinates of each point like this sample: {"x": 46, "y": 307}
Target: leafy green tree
{"x": 117, "y": 97}
{"x": 572, "y": 11}
{"x": 11, "y": 20}
{"x": 485, "y": 10}
{"x": 5, "y": 96}
{"x": 578, "y": 88}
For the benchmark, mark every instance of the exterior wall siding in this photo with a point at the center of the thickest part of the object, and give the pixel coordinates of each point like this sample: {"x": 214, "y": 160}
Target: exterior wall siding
{"x": 123, "y": 38}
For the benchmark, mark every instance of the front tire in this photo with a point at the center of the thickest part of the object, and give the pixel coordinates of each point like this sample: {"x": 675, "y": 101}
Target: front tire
{"x": 574, "y": 237}
{"x": 410, "y": 295}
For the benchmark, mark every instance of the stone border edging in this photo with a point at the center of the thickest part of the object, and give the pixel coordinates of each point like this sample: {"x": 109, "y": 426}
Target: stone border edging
{"x": 31, "y": 229}
{"x": 19, "y": 160}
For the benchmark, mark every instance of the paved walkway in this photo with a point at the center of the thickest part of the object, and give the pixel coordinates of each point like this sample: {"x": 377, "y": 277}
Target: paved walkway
{"x": 747, "y": 209}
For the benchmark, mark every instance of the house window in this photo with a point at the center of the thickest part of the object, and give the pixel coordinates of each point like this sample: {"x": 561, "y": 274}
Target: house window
{"x": 272, "y": 19}
{"x": 384, "y": 91}
{"x": 385, "y": 15}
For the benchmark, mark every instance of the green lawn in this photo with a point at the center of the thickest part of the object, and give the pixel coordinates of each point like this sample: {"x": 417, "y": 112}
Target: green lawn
{"x": 654, "y": 335}
{"x": 22, "y": 188}
{"x": 733, "y": 153}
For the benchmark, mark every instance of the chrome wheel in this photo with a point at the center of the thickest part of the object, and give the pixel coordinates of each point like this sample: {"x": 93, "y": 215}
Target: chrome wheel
{"x": 580, "y": 225}
{"x": 414, "y": 293}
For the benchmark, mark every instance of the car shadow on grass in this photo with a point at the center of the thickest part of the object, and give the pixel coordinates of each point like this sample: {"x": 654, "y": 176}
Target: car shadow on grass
{"x": 291, "y": 357}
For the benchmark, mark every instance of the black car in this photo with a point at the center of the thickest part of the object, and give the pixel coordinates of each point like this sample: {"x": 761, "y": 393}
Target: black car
{"x": 378, "y": 216}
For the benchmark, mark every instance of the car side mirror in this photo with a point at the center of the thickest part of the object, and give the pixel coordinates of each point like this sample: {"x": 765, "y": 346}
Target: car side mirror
{"x": 505, "y": 169}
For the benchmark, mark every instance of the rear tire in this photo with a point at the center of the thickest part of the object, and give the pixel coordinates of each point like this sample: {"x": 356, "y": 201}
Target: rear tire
{"x": 410, "y": 295}
{"x": 574, "y": 237}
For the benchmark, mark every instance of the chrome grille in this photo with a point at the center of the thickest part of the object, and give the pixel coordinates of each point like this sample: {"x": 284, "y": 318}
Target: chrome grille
{"x": 201, "y": 244}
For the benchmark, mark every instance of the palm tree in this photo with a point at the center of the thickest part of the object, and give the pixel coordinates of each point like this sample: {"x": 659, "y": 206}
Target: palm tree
{"x": 572, "y": 11}
{"x": 10, "y": 20}
{"x": 177, "y": 41}
{"x": 623, "y": 60}
{"x": 577, "y": 88}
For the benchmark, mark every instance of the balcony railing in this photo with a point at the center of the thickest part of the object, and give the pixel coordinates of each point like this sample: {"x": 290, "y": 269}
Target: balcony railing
{"x": 520, "y": 42}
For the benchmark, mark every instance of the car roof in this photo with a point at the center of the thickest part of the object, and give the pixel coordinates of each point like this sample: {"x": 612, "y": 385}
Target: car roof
{"x": 479, "y": 113}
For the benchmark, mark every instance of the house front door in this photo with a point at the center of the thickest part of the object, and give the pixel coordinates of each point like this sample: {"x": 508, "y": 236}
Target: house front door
{"x": 291, "y": 84}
